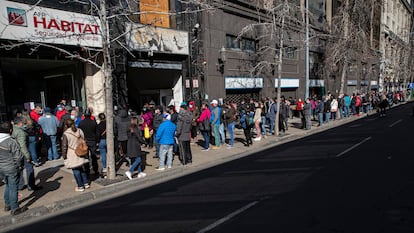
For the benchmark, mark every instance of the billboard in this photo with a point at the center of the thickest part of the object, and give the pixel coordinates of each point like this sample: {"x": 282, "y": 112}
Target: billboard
{"x": 24, "y": 22}
{"x": 154, "y": 39}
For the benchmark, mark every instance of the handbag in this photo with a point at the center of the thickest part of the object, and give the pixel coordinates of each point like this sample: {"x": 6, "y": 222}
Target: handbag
{"x": 147, "y": 134}
{"x": 205, "y": 125}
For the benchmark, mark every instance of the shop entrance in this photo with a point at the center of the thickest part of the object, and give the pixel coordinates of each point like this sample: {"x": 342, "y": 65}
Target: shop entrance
{"x": 158, "y": 85}
{"x": 41, "y": 81}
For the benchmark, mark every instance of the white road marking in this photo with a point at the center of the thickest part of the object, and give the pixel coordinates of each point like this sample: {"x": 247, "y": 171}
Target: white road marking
{"x": 228, "y": 217}
{"x": 393, "y": 124}
{"x": 353, "y": 147}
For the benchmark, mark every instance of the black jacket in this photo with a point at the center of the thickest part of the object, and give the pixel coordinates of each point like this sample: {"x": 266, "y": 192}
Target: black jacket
{"x": 101, "y": 130}
{"x": 134, "y": 143}
{"x": 88, "y": 126}
{"x": 121, "y": 125}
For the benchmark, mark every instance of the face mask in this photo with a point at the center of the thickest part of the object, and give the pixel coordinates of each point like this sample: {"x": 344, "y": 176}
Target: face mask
{"x": 72, "y": 117}
{"x": 24, "y": 126}
{"x": 60, "y": 109}
{"x": 40, "y": 112}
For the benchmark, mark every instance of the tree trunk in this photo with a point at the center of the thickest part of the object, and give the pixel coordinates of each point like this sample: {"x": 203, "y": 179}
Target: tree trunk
{"x": 345, "y": 61}
{"x": 107, "y": 70}
{"x": 279, "y": 69}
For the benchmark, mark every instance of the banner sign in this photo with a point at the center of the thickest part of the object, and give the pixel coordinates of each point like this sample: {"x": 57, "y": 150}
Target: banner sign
{"x": 287, "y": 83}
{"x": 38, "y": 24}
{"x": 153, "y": 39}
{"x": 243, "y": 83}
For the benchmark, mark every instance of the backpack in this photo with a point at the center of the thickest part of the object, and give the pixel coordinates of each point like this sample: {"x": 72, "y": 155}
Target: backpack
{"x": 82, "y": 148}
{"x": 251, "y": 118}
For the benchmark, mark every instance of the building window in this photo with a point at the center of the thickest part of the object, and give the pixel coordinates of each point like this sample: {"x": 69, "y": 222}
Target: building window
{"x": 232, "y": 42}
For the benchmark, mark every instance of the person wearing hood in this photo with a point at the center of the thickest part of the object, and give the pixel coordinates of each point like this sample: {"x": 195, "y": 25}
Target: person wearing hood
{"x": 11, "y": 162}
{"x": 121, "y": 127}
{"x": 184, "y": 133}
{"x": 49, "y": 124}
{"x": 20, "y": 135}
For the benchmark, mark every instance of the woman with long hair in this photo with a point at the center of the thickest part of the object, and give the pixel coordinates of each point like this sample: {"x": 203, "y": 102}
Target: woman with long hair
{"x": 257, "y": 120}
{"x": 70, "y": 140}
{"x": 204, "y": 121}
{"x": 134, "y": 148}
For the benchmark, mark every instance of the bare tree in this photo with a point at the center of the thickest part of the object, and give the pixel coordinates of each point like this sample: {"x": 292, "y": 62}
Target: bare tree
{"x": 282, "y": 19}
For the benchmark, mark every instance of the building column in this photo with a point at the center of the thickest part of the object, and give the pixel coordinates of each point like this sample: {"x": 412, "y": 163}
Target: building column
{"x": 95, "y": 89}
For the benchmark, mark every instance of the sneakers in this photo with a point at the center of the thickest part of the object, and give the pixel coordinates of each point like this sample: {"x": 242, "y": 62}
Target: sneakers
{"x": 86, "y": 186}
{"x": 216, "y": 147}
{"x": 160, "y": 169}
{"x": 206, "y": 149}
{"x": 142, "y": 175}
{"x": 257, "y": 139}
{"x": 79, "y": 189}
{"x": 169, "y": 167}
{"x": 128, "y": 174}
{"x": 229, "y": 147}
{"x": 104, "y": 170}
{"x": 18, "y": 210}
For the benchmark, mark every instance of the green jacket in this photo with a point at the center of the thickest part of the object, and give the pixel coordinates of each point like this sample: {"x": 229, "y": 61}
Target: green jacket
{"x": 21, "y": 137}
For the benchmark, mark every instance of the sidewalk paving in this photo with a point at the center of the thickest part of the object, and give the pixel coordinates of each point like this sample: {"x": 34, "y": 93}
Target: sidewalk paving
{"x": 58, "y": 183}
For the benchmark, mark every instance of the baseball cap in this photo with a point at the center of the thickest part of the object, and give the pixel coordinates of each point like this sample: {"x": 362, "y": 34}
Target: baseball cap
{"x": 214, "y": 102}
{"x": 166, "y": 116}
{"x": 47, "y": 109}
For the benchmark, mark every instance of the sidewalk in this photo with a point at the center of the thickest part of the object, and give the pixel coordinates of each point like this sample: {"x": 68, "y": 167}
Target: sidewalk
{"x": 58, "y": 182}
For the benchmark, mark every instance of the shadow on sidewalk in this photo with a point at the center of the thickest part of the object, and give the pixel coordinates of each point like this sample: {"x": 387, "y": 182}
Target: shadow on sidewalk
{"x": 47, "y": 185}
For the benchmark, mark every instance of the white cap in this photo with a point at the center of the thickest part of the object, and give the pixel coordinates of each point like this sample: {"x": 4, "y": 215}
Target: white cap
{"x": 214, "y": 102}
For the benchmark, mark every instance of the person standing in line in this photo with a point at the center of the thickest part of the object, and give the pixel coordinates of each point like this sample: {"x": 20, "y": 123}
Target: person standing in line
{"x": 299, "y": 109}
{"x": 194, "y": 125}
{"x": 33, "y": 131}
{"x": 49, "y": 124}
{"x": 230, "y": 117}
{"x": 121, "y": 126}
{"x": 327, "y": 109}
{"x": 263, "y": 119}
{"x": 165, "y": 137}
{"x": 307, "y": 112}
{"x": 20, "y": 135}
{"x": 88, "y": 126}
{"x": 204, "y": 125}
{"x": 155, "y": 125}
{"x": 334, "y": 108}
{"x": 215, "y": 123}
{"x": 257, "y": 121}
{"x": 319, "y": 111}
{"x": 11, "y": 163}
{"x": 184, "y": 133}
{"x": 101, "y": 132}
{"x": 272, "y": 115}
{"x": 134, "y": 148}
{"x": 347, "y": 104}
{"x": 148, "y": 119}
{"x": 245, "y": 116}
{"x": 71, "y": 160}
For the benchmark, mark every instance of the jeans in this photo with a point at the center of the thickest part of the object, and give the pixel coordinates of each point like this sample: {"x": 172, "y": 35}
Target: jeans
{"x": 32, "y": 148}
{"x": 230, "y": 129}
{"x": 10, "y": 191}
{"x": 263, "y": 126}
{"x": 346, "y": 111}
{"x": 165, "y": 151}
{"x": 29, "y": 175}
{"x": 327, "y": 115}
{"x": 222, "y": 134}
{"x": 206, "y": 136}
{"x": 136, "y": 163}
{"x": 272, "y": 125}
{"x": 51, "y": 147}
{"x": 80, "y": 175}
{"x": 320, "y": 116}
{"x": 156, "y": 145}
{"x": 102, "y": 151}
{"x": 308, "y": 122}
{"x": 333, "y": 115}
{"x": 216, "y": 131}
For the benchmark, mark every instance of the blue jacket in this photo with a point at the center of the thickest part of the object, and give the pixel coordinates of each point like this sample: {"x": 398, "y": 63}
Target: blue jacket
{"x": 215, "y": 116}
{"x": 49, "y": 124}
{"x": 165, "y": 133}
{"x": 347, "y": 100}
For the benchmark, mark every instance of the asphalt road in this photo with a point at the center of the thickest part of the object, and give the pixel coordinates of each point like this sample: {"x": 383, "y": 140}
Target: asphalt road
{"x": 355, "y": 178}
